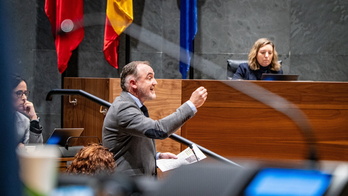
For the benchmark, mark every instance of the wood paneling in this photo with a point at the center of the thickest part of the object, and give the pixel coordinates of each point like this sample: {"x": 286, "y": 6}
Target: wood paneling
{"x": 233, "y": 124}
{"x": 85, "y": 113}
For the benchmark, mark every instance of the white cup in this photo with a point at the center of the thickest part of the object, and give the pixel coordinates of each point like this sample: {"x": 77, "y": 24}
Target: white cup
{"x": 39, "y": 168}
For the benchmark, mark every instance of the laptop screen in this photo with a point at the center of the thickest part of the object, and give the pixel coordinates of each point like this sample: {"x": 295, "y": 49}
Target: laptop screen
{"x": 60, "y": 136}
{"x": 289, "y": 182}
{"x": 276, "y": 77}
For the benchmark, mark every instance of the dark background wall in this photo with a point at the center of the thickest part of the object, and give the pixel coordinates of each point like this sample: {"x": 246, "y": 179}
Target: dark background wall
{"x": 310, "y": 37}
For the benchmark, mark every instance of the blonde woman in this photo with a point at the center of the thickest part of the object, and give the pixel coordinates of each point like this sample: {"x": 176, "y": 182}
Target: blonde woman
{"x": 263, "y": 58}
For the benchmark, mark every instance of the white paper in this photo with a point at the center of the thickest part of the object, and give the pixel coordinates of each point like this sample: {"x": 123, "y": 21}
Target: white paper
{"x": 187, "y": 156}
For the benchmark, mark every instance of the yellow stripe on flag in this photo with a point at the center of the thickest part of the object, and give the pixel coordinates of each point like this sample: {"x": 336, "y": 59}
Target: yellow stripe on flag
{"x": 120, "y": 14}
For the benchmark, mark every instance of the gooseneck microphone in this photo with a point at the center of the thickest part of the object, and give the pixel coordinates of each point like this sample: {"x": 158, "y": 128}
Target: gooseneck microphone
{"x": 194, "y": 153}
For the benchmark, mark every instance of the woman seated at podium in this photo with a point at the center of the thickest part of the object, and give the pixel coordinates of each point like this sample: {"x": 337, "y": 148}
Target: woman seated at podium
{"x": 263, "y": 58}
{"x": 91, "y": 160}
{"x": 26, "y": 120}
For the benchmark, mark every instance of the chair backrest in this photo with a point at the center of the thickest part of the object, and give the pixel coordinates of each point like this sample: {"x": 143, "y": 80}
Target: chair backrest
{"x": 232, "y": 66}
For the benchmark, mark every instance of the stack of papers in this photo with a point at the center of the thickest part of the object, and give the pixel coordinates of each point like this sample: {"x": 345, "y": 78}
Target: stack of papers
{"x": 187, "y": 156}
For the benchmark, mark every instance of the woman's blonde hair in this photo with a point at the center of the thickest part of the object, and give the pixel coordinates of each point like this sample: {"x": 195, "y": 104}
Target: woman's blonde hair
{"x": 92, "y": 159}
{"x": 253, "y": 64}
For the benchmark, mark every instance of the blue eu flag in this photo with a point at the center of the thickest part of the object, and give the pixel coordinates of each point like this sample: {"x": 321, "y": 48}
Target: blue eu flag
{"x": 188, "y": 31}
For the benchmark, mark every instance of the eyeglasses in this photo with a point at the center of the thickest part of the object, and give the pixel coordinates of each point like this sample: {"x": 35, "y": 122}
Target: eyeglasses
{"x": 20, "y": 94}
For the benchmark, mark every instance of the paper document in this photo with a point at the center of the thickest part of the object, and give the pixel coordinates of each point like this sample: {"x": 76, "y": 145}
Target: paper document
{"x": 185, "y": 157}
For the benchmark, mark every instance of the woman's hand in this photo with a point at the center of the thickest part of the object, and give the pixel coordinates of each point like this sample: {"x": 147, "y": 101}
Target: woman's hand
{"x": 29, "y": 110}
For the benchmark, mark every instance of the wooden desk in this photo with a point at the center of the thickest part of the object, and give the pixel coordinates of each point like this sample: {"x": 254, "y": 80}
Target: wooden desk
{"x": 63, "y": 163}
{"x": 232, "y": 123}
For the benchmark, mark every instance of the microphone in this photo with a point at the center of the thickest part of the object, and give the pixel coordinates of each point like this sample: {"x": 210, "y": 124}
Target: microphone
{"x": 191, "y": 146}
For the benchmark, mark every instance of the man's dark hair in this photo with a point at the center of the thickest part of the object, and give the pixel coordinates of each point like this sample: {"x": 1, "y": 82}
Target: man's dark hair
{"x": 130, "y": 70}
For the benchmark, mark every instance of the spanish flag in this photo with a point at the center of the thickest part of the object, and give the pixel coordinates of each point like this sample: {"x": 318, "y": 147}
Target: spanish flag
{"x": 66, "y": 19}
{"x": 119, "y": 15}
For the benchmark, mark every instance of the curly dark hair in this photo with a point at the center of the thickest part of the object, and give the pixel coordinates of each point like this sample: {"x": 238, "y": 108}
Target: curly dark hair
{"x": 93, "y": 159}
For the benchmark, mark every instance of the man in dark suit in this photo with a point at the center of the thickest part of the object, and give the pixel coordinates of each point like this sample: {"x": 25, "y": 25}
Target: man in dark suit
{"x": 129, "y": 133}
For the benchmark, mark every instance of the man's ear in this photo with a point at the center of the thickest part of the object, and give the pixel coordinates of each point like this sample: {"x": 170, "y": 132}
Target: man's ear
{"x": 133, "y": 84}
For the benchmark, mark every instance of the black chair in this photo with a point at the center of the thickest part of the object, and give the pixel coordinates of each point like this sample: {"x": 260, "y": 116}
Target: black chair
{"x": 232, "y": 66}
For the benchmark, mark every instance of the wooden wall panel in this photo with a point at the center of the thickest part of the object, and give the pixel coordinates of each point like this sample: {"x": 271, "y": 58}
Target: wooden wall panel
{"x": 86, "y": 113}
{"x": 115, "y": 89}
{"x": 233, "y": 124}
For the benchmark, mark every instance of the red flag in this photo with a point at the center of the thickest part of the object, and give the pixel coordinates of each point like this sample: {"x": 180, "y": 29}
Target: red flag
{"x": 66, "y": 18}
{"x": 119, "y": 15}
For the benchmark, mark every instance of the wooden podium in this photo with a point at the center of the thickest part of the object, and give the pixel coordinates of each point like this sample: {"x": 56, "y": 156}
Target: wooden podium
{"x": 231, "y": 123}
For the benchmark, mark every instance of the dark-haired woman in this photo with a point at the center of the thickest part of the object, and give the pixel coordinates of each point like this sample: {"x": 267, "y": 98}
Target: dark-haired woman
{"x": 26, "y": 120}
